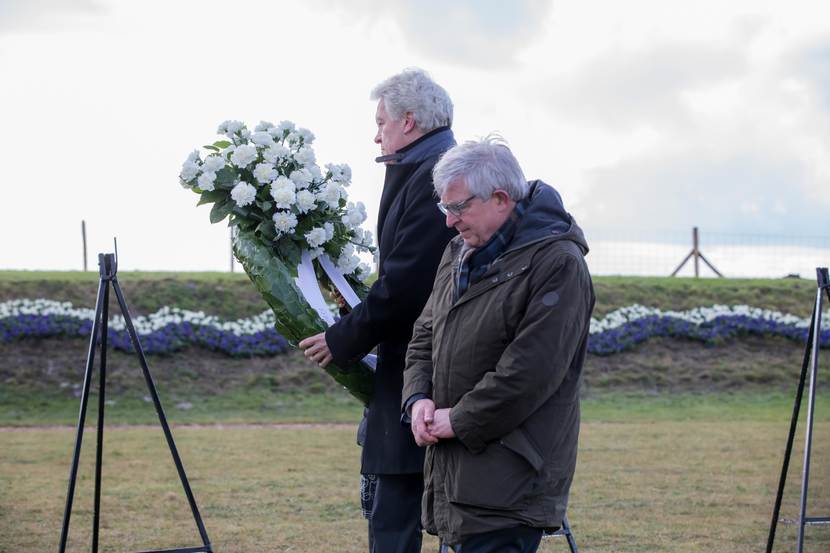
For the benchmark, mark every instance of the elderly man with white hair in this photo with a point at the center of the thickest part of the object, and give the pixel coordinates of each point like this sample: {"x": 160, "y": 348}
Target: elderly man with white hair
{"x": 493, "y": 369}
{"x": 413, "y": 117}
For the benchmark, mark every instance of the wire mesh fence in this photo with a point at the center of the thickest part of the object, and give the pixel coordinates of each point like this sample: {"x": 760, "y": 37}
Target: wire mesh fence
{"x": 650, "y": 253}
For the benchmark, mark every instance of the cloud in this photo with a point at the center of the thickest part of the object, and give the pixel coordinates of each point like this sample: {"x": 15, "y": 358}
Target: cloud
{"x": 645, "y": 87}
{"x": 748, "y": 192}
{"x": 811, "y": 65}
{"x": 43, "y": 15}
{"x": 470, "y": 33}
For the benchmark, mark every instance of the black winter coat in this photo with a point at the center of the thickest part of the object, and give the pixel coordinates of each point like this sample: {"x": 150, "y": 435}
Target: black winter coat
{"x": 411, "y": 237}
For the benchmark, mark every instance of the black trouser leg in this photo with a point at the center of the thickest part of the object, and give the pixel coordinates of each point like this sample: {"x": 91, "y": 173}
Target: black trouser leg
{"x": 395, "y": 524}
{"x": 521, "y": 539}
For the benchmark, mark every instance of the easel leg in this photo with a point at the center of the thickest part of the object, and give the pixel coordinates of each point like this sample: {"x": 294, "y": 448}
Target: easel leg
{"x": 162, "y": 418}
{"x": 808, "y": 443}
{"x": 79, "y": 436}
{"x": 101, "y": 403}
{"x": 799, "y": 394}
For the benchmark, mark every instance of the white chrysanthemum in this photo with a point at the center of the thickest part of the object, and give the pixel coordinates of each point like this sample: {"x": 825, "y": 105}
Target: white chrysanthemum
{"x": 285, "y": 222}
{"x": 305, "y": 201}
{"x": 264, "y": 126}
{"x": 284, "y": 126}
{"x": 330, "y": 194}
{"x": 301, "y": 177}
{"x": 316, "y": 237}
{"x": 193, "y": 157}
{"x": 363, "y": 271}
{"x": 262, "y": 138}
{"x": 265, "y": 173}
{"x": 293, "y": 138}
{"x": 275, "y": 153}
{"x": 214, "y": 163}
{"x": 243, "y": 193}
{"x": 340, "y": 173}
{"x": 283, "y": 192}
{"x": 348, "y": 261}
{"x": 189, "y": 171}
{"x": 243, "y": 155}
{"x": 347, "y": 265}
{"x": 367, "y": 239}
{"x": 230, "y": 127}
{"x": 314, "y": 171}
{"x": 245, "y": 133}
{"x": 306, "y": 135}
{"x": 329, "y": 228}
{"x": 305, "y": 156}
{"x": 355, "y": 214}
{"x": 206, "y": 181}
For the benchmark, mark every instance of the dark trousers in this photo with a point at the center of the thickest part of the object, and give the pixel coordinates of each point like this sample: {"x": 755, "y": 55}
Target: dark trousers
{"x": 395, "y": 524}
{"x": 521, "y": 539}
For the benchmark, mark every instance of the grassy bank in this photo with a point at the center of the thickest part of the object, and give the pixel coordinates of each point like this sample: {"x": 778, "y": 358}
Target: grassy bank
{"x": 231, "y": 295}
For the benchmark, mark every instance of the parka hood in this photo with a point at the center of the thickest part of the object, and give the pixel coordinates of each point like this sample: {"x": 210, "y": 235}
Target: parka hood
{"x": 545, "y": 217}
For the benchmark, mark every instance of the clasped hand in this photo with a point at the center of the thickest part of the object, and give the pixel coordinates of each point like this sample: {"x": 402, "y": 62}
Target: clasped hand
{"x": 430, "y": 424}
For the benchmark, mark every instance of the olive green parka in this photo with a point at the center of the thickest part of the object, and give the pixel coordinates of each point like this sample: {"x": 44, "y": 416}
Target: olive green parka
{"x": 507, "y": 359}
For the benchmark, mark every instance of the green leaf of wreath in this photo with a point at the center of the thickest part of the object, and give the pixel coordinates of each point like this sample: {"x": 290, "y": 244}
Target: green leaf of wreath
{"x": 221, "y": 210}
{"x": 212, "y": 196}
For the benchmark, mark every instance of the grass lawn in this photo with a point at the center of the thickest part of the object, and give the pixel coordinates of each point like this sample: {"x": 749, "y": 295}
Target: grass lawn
{"x": 679, "y": 475}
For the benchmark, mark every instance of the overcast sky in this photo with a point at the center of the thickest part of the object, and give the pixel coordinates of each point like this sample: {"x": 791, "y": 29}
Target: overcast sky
{"x": 646, "y": 115}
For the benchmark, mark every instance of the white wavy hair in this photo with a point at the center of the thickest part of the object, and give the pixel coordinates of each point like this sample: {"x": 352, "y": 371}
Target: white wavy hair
{"x": 486, "y": 165}
{"x": 413, "y": 91}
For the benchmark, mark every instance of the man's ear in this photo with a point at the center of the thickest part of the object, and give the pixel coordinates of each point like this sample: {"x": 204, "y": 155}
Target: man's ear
{"x": 409, "y": 122}
{"x": 502, "y": 196}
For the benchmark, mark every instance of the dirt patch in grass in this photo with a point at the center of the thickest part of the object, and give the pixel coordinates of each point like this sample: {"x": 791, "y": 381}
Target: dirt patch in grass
{"x": 670, "y": 365}
{"x": 660, "y": 365}
{"x": 59, "y": 363}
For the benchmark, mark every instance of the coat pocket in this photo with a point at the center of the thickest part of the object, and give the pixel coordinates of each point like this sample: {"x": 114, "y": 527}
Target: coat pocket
{"x": 503, "y": 476}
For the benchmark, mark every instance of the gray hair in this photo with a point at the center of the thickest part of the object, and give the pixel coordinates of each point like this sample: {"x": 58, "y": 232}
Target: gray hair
{"x": 486, "y": 165}
{"x": 413, "y": 91}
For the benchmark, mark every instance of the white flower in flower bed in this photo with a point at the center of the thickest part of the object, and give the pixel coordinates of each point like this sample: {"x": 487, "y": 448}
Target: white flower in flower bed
{"x": 696, "y": 316}
{"x": 171, "y": 315}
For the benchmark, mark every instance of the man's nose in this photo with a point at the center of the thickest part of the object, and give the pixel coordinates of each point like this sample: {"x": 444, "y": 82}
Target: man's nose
{"x": 377, "y": 137}
{"x": 452, "y": 219}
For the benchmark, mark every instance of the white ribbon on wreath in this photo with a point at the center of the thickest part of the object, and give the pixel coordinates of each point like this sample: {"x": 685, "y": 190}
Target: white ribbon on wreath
{"x": 306, "y": 281}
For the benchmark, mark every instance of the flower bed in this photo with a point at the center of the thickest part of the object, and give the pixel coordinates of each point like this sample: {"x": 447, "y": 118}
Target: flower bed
{"x": 171, "y": 329}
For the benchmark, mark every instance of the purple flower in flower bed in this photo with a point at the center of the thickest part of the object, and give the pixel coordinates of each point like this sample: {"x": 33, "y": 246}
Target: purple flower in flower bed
{"x": 170, "y": 330}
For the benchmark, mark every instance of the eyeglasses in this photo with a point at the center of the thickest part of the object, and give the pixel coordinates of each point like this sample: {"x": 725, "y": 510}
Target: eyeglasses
{"x": 456, "y": 208}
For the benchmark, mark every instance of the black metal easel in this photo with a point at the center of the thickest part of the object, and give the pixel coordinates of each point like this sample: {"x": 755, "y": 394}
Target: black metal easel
{"x": 565, "y": 530}
{"x": 810, "y": 362}
{"x": 108, "y": 267}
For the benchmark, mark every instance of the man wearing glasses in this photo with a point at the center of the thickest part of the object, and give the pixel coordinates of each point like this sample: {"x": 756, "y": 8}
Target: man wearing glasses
{"x": 493, "y": 368}
{"x": 413, "y": 117}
